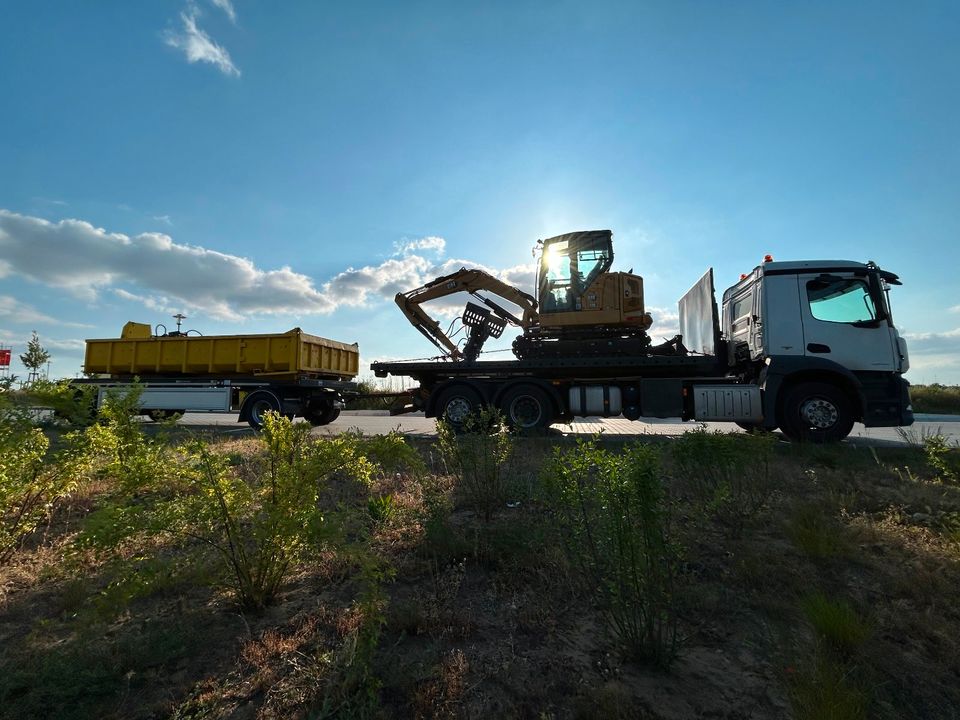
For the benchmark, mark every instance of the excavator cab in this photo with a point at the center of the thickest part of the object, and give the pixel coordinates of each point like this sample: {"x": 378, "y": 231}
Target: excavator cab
{"x": 569, "y": 264}
{"x": 576, "y": 289}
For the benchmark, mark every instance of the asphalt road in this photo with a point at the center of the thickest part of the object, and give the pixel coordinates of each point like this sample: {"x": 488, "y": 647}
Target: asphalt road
{"x": 378, "y": 423}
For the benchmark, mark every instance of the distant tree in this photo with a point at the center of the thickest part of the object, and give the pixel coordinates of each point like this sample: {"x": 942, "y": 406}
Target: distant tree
{"x": 35, "y": 357}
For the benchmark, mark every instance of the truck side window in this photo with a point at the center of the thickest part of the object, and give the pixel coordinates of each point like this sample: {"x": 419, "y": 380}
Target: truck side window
{"x": 840, "y": 300}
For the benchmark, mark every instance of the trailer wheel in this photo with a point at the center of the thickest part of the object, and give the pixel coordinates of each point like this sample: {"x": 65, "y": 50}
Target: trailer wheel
{"x": 527, "y": 407}
{"x": 161, "y": 415}
{"x": 257, "y": 405}
{"x": 456, "y": 404}
{"x": 816, "y": 412}
{"x": 322, "y": 417}
{"x": 752, "y": 427}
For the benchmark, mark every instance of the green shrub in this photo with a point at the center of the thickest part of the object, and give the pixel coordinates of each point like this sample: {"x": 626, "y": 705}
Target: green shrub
{"x": 935, "y": 398}
{"x": 726, "y": 476}
{"x": 477, "y": 456}
{"x": 614, "y": 521}
{"x": 381, "y": 508}
{"x": 31, "y": 483}
{"x": 836, "y": 622}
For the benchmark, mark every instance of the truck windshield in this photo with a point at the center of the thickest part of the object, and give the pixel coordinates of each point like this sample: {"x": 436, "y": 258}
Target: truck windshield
{"x": 841, "y": 300}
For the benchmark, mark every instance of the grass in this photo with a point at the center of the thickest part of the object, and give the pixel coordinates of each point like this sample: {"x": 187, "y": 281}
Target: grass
{"x": 424, "y": 606}
{"x": 835, "y": 622}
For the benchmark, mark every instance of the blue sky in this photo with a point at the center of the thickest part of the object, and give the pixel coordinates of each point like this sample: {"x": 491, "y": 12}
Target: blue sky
{"x": 259, "y": 166}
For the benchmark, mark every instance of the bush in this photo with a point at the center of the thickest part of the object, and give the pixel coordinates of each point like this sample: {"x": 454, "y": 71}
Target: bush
{"x": 935, "y": 398}
{"x": 941, "y": 457}
{"x": 31, "y": 485}
{"x": 727, "y": 476}
{"x": 477, "y": 456}
{"x": 614, "y": 521}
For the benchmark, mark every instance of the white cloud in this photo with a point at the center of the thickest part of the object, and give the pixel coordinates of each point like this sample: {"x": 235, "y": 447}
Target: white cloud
{"x": 165, "y": 219}
{"x": 933, "y": 342}
{"x": 19, "y": 313}
{"x": 227, "y": 7}
{"x": 168, "y": 277}
{"x": 430, "y": 243}
{"x": 954, "y": 309}
{"x": 197, "y": 46}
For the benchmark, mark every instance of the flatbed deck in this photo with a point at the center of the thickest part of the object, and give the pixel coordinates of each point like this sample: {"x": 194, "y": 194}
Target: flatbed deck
{"x": 593, "y": 368}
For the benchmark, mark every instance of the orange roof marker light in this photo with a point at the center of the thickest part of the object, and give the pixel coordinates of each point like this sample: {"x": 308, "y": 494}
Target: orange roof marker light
{"x": 743, "y": 276}
{"x": 768, "y": 258}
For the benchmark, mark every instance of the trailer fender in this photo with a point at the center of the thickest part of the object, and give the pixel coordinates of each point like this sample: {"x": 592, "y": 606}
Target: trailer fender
{"x": 784, "y": 371}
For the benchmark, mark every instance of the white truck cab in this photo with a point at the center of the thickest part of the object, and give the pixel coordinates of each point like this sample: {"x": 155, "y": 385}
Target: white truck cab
{"x": 818, "y": 337}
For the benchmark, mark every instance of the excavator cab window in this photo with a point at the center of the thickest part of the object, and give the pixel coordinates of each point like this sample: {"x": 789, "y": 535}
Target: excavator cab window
{"x": 569, "y": 265}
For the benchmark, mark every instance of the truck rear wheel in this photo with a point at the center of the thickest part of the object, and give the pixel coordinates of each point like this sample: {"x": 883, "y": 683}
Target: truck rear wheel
{"x": 816, "y": 412}
{"x": 457, "y": 403}
{"x": 527, "y": 407}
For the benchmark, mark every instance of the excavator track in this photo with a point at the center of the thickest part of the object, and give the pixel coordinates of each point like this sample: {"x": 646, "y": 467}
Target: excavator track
{"x": 597, "y": 342}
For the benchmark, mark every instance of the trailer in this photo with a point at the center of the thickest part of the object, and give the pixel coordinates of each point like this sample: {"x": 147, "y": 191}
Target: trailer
{"x": 294, "y": 373}
{"x": 808, "y": 347}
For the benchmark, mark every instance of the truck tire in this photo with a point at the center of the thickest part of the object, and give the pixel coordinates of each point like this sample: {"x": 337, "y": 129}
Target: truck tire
{"x": 816, "y": 412}
{"x": 322, "y": 417}
{"x": 527, "y": 407}
{"x": 752, "y": 427}
{"x": 161, "y": 415}
{"x": 457, "y": 403}
{"x": 257, "y": 405}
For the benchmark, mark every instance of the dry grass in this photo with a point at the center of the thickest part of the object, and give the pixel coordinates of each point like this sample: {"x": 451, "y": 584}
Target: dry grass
{"x": 842, "y": 601}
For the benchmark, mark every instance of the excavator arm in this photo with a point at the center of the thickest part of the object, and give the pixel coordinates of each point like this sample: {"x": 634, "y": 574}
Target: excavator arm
{"x": 482, "y": 323}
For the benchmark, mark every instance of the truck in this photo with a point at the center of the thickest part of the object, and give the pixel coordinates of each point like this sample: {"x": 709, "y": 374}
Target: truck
{"x": 809, "y": 347}
{"x": 293, "y": 373}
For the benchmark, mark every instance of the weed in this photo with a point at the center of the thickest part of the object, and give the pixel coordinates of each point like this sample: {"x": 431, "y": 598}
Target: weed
{"x": 727, "y": 476}
{"x": 477, "y": 457}
{"x": 815, "y": 533}
{"x": 826, "y": 690}
{"x": 381, "y": 509}
{"x": 941, "y": 456}
{"x": 836, "y": 622}
{"x": 614, "y": 521}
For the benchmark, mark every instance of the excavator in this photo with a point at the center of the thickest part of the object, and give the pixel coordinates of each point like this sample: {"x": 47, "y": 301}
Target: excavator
{"x": 580, "y": 308}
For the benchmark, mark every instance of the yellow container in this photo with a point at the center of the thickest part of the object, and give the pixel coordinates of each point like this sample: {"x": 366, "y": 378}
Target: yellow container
{"x": 292, "y": 354}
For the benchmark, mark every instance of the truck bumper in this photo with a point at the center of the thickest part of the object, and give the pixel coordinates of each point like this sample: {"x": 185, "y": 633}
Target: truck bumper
{"x": 887, "y": 406}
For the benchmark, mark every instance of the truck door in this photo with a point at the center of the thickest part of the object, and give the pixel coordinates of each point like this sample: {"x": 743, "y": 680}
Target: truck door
{"x": 840, "y": 322}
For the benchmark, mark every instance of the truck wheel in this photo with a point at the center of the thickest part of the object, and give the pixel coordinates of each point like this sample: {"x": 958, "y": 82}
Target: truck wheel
{"x": 258, "y": 404}
{"x": 527, "y": 407}
{"x": 816, "y": 412}
{"x": 161, "y": 415}
{"x": 322, "y": 417}
{"x": 456, "y": 404}
{"x": 752, "y": 427}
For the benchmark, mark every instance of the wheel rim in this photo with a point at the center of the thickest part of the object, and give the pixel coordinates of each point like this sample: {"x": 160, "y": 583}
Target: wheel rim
{"x": 525, "y": 411}
{"x": 259, "y": 409}
{"x": 458, "y": 410}
{"x": 819, "y": 413}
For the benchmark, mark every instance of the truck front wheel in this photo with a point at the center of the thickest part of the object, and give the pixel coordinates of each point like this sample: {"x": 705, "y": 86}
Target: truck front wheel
{"x": 816, "y": 412}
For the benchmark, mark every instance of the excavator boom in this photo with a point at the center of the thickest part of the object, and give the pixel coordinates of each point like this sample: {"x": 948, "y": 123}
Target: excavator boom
{"x": 478, "y": 319}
